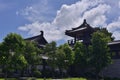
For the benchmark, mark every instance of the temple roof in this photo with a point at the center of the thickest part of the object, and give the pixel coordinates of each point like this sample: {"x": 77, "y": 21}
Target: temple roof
{"x": 39, "y": 39}
{"x": 85, "y": 24}
{"x": 114, "y": 42}
{"x": 80, "y": 29}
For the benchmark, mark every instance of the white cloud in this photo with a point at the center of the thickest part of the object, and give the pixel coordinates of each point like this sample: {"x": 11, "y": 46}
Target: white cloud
{"x": 96, "y": 16}
{"x": 116, "y": 34}
{"x": 69, "y": 16}
{"x": 114, "y": 27}
{"x": 52, "y": 33}
{"x": 37, "y": 12}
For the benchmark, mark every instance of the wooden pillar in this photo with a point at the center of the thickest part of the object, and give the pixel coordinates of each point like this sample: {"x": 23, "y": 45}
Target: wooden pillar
{"x": 75, "y": 39}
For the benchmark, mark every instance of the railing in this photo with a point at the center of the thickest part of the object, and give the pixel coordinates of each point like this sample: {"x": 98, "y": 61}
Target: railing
{"x": 72, "y": 42}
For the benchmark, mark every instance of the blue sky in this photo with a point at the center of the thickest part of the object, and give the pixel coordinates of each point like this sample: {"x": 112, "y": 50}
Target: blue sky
{"x": 28, "y": 17}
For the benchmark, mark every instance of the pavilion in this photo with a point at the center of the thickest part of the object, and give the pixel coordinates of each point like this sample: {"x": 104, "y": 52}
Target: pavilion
{"x": 83, "y": 33}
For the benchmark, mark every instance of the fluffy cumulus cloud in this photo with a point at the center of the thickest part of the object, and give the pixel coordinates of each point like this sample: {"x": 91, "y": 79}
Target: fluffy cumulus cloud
{"x": 96, "y": 16}
{"x": 67, "y": 17}
{"x": 114, "y": 27}
{"x": 46, "y": 27}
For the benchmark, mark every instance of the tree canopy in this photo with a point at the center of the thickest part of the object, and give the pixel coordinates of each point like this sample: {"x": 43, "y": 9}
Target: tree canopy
{"x": 16, "y": 53}
{"x": 12, "y": 52}
{"x": 107, "y": 34}
{"x": 100, "y": 56}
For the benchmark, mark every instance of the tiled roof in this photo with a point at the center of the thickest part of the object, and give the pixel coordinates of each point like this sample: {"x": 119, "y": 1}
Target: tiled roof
{"x": 114, "y": 42}
{"x": 39, "y": 39}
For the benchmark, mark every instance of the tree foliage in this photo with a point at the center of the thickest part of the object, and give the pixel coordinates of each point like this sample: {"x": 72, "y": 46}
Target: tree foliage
{"x": 100, "y": 56}
{"x": 59, "y": 57}
{"x": 108, "y": 35}
{"x": 32, "y": 53}
{"x": 12, "y": 53}
{"x": 80, "y": 54}
{"x": 11, "y": 48}
{"x": 50, "y": 51}
{"x": 17, "y": 54}
{"x": 81, "y": 61}
{"x": 69, "y": 55}
{"x": 60, "y": 60}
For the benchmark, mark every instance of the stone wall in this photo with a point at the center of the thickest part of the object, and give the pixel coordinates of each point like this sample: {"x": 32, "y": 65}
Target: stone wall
{"x": 113, "y": 70}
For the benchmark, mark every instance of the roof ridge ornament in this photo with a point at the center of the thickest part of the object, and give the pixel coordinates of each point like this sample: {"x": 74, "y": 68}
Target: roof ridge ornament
{"x": 84, "y": 24}
{"x": 84, "y": 21}
{"x": 42, "y": 33}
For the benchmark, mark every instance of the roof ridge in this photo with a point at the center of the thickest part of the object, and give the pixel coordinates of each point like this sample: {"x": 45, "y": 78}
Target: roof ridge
{"x": 84, "y": 24}
{"x": 33, "y": 37}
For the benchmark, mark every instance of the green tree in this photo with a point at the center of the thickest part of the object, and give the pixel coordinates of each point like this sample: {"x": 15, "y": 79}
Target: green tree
{"x": 32, "y": 55}
{"x": 60, "y": 59}
{"x": 108, "y": 35}
{"x": 69, "y": 55}
{"x": 12, "y": 53}
{"x": 65, "y": 57}
{"x": 100, "y": 56}
{"x": 50, "y": 52}
{"x": 81, "y": 58}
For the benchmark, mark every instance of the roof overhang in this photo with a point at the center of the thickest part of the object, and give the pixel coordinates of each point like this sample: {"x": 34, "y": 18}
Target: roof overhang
{"x": 114, "y": 43}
